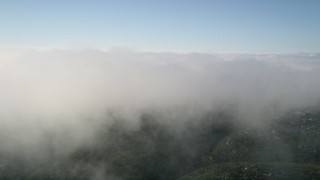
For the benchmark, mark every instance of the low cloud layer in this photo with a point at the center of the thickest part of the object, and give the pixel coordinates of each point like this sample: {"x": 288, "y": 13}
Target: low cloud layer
{"x": 67, "y": 94}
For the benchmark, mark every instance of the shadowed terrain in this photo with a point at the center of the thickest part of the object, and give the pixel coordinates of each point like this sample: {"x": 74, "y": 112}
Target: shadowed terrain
{"x": 213, "y": 149}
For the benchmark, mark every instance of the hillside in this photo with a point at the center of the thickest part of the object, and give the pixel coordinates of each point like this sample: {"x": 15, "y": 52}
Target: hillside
{"x": 215, "y": 148}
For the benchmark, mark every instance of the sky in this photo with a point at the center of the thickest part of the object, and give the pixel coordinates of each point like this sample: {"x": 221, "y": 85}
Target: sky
{"x": 241, "y": 26}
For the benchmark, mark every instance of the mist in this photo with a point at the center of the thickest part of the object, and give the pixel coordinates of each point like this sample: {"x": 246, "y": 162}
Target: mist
{"x": 68, "y": 95}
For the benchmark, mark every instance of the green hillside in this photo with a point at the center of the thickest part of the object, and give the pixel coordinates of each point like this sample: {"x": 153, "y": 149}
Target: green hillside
{"x": 255, "y": 171}
{"x": 214, "y": 148}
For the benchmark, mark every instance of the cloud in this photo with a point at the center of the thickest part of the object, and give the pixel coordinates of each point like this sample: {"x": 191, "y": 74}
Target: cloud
{"x": 67, "y": 94}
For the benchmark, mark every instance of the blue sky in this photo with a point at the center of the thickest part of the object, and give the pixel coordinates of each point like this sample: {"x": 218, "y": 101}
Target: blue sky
{"x": 253, "y": 26}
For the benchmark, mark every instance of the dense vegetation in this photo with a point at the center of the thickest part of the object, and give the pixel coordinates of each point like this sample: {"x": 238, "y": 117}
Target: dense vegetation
{"x": 217, "y": 147}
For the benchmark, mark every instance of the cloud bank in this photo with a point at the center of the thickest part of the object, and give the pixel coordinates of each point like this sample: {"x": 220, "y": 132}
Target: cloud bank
{"x": 68, "y": 94}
